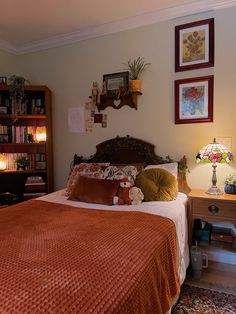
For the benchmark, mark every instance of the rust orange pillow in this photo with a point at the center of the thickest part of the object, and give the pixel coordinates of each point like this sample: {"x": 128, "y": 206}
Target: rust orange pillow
{"x": 92, "y": 190}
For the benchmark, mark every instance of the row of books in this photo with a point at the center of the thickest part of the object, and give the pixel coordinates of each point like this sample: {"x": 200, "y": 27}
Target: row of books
{"x": 35, "y": 186}
{"x": 17, "y": 134}
{"x": 35, "y": 161}
{"x": 28, "y": 106}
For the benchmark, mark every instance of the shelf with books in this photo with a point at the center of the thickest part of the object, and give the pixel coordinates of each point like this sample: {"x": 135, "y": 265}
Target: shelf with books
{"x": 35, "y": 186}
{"x": 18, "y": 134}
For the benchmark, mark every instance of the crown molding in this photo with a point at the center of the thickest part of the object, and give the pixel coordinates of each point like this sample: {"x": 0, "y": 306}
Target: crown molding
{"x": 6, "y": 46}
{"x": 197, "y": 6}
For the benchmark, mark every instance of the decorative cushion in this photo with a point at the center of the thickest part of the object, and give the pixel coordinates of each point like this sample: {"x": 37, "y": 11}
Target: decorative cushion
{"x": 157, "y": 185}
{"x": 172, "y": 167}
{"x": 119, "y": 172}
{"x": 93, "y": 190}
{"x": 93, "y": 170}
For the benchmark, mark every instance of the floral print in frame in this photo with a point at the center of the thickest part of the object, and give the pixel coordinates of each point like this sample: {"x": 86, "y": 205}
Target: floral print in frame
{"x": 194, "y": 100}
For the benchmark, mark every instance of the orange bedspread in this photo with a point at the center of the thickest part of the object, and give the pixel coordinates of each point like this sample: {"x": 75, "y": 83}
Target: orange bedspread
{"x": 56, "y": 258}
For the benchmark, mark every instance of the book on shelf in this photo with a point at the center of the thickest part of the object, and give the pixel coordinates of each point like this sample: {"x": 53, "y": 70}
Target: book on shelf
{"x": 34, "y": 179}
{"x": 36, "y": 186}
{"x": 30, "y": 195}
{"x": 11, "y": 160}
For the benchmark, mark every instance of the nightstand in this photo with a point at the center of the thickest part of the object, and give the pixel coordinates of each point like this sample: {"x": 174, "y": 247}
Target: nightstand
{"x": 213, "y": 208}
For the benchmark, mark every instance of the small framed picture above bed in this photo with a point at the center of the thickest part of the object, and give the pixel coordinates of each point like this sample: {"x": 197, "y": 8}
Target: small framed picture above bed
{"x": 194, "y": 100}
{"x": 116, "y": 82}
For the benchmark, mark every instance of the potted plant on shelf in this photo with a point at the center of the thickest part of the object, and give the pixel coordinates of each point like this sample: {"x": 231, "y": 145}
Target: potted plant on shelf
{"x": 230, "y": 184}
{"x": 136, "y": 68}
{"x": 17, "y": 93}
{"x": 21, "y": 162}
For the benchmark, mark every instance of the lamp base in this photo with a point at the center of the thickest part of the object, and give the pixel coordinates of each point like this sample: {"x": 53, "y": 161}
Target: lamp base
{"x": 214, "y": 190}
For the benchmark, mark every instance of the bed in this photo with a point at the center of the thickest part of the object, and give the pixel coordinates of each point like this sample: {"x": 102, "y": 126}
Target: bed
{"x": 62, "y": 256}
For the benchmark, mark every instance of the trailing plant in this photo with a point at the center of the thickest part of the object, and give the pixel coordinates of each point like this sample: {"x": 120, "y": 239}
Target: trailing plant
{"x": 136, "y": 67}
{"x": 17, "y": 93}
{"x": 16, "y": 87}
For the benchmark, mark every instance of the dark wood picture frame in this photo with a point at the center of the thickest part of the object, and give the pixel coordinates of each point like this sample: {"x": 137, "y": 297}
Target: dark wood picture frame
{"x": 116, "y": 82}
{"x": 194, "y": 100}
{"x": 194, "y": 45}
{"x": 3, "y": 80}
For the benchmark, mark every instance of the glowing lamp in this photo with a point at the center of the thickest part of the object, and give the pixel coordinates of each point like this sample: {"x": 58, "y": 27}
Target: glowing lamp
{"x": 3, "y": 162}
{"x": 214, "y": 153}
{"x": 41, "y": 134}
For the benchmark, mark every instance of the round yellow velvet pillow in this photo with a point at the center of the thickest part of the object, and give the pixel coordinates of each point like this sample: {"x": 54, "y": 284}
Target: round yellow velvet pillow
{"x": 157, "y": 185}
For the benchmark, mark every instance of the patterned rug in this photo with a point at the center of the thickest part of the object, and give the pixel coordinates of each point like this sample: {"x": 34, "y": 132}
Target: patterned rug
{"x": 194, "y": 300}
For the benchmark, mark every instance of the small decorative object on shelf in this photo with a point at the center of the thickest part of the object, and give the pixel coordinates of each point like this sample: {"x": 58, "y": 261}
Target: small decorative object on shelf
{"x": 41, "y": 134}
{"x": 95, "y": 93}
{"x": 230, "y": 184}
{"x": 21, "y": 162}
{"x": 3, "y": 80}
{"x": 17, "y": 93}
{"x": 3, "y": 162}
{"x": 136, "y": 68}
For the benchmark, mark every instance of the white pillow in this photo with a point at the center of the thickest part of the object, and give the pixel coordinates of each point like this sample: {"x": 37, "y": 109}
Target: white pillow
{"x": 172, "y": 167}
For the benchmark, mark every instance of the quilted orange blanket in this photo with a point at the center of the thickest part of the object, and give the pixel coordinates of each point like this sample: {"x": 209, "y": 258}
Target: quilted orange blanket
{"x": 56, "y": 258}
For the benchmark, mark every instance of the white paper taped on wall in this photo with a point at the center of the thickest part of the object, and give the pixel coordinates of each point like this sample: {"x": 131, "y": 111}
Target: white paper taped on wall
{"x": 76, "y": 119}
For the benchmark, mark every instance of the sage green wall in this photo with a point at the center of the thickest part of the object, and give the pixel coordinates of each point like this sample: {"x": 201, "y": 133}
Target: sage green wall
{"x": 70, "y": 70}
{"x": 8, "y": 63}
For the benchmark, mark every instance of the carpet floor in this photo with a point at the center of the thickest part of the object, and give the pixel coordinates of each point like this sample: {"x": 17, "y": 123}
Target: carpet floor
{"x": 195, "y": 300}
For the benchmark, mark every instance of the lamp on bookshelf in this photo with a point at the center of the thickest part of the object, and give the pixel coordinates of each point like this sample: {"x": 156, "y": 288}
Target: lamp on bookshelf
{"x": 41, "y": 134}
{"x": 3, "y": 162}
{"x": 214, "y": 153}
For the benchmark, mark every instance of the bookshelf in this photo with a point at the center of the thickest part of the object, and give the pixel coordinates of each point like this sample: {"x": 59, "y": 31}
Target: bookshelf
{"x": 18, "y": 138}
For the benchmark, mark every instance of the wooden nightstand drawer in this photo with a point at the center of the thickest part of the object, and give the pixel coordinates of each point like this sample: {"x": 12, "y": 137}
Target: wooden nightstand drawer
{"x": 214, "y": 208}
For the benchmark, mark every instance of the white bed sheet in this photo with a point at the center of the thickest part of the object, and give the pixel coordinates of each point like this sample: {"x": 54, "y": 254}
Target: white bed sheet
{"x": 175, "y": 210}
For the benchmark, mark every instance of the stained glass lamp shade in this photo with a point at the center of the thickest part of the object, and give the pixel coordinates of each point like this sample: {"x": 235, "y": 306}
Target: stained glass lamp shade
{"x": 214, "y": 153}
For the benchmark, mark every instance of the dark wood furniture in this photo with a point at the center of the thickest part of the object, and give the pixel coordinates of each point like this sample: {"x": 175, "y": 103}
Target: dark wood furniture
{"x": 11, "y": 180}
{"x": 127, "y": 150}
{"x": 213, "y": 208}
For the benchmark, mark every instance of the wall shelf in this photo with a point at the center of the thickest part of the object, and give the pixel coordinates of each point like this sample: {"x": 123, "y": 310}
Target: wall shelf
{"x": 130, "y": 99}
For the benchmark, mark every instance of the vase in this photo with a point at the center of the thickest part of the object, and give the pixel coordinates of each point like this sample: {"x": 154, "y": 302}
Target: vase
{"x": 135, "y": 85}
{"x": 230, "y": 189}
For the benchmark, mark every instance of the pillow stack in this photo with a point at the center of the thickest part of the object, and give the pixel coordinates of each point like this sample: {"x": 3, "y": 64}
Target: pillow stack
{"x": 99, "y": 182}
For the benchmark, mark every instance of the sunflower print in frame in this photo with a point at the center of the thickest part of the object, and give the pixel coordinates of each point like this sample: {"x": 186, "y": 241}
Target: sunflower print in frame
{"x": 194, "y": 46}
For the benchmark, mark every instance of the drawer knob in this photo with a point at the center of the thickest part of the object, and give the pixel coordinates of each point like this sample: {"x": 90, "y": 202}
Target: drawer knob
{"x": 213, "y": 209}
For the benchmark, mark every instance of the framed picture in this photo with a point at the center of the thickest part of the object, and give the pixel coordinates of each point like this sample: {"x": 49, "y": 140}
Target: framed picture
{"x": 194, "y": 100}
{"x": 116, "y": 82}
{"x": 3, "y": 80}
{"x": 3, "y": 110}
{"x": 194, "y": 45}
{"x": 40, "y": 165}
{"x": 4, "y": 138}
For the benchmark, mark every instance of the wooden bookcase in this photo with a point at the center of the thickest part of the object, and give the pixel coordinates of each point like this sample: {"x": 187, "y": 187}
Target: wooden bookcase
{"x": 15, "y": 140}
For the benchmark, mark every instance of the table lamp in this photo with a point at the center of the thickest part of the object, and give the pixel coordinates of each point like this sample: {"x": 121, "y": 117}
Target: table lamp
{"x": 214, "y": 153}
{"x": 41, "y": 135}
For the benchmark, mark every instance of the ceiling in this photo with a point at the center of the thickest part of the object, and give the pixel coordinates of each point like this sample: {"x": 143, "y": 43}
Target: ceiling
{"x": 28, "y": 25}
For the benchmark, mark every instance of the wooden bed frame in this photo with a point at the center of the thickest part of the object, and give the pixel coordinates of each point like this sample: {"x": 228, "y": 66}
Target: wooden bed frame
{"x": 129, "y": 150}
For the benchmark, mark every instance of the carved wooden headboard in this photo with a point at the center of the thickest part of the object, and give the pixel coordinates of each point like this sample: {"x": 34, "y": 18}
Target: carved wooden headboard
{"x": 127, "y": 150}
